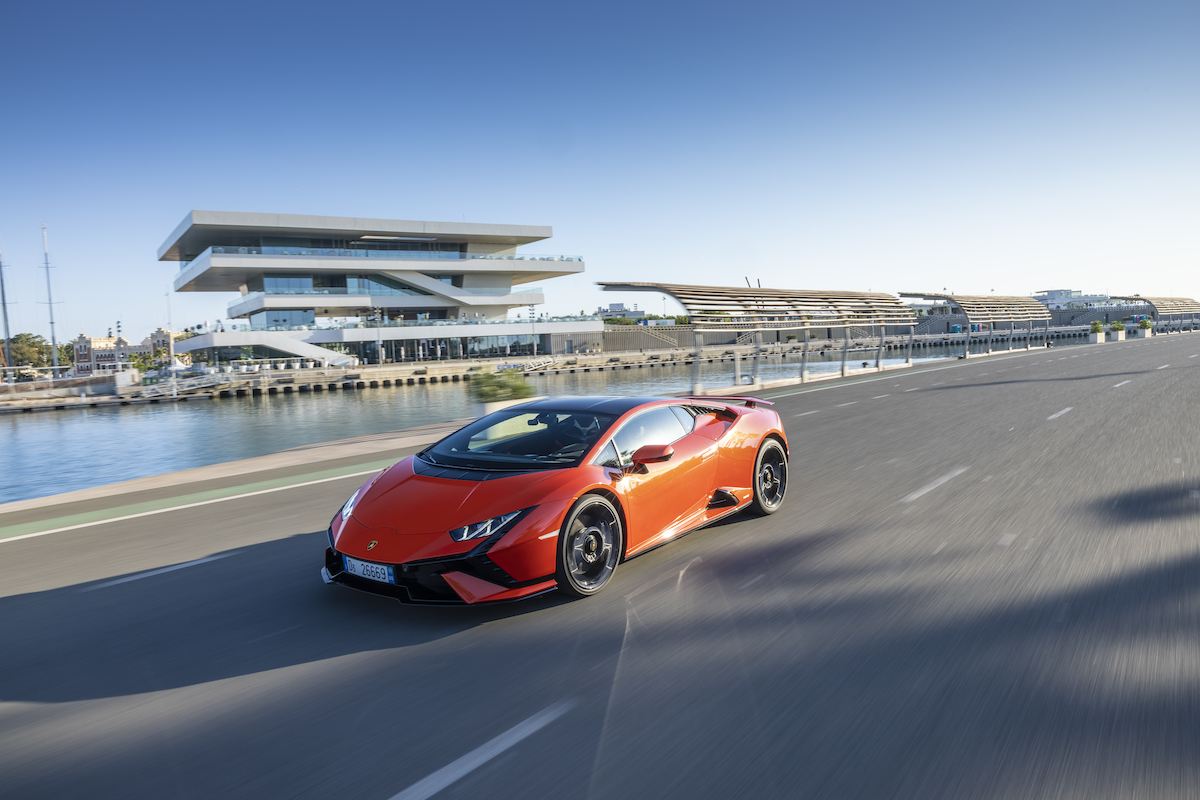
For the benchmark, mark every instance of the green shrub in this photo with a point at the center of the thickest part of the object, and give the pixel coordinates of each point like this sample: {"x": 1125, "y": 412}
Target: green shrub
{"x": 1116, "y": 326}
{"x": 1097, "y": 326}
{"x": 1146, "y": 324}
{"x": 508, "y": 384}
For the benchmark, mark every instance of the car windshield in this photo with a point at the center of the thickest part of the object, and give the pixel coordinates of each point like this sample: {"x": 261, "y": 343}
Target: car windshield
{"x": 521, "y": 440}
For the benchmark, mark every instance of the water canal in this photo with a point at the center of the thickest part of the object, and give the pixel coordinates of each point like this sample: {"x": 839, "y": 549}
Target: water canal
{"x": 53, "y": 452}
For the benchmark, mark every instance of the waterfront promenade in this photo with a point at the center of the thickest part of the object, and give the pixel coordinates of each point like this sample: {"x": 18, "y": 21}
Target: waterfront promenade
{"x": 982, "y": 585}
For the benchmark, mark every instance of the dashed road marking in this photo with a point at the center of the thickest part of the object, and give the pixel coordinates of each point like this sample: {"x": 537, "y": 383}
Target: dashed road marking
{"x": 880, "y": 397}
{"x": 1007, "y": 539}
{"x": 1058, "y": 414}
{"x": 912, "y": 390}
{"x": 752, "y": 581}
{"x": 1122, "y": 383}
{"x": 806, "y": 413}
{"x": 1164, "y": 366}
{"x": 162, "y": 571}
{"x": 929, "y": 487}
{"x": 841, "y": 405}
{"x": 940, "y": 548}
{"x": 428, "y": 787}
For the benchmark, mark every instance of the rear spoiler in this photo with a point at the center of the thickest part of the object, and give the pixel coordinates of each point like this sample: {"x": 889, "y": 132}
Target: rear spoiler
{"x": 751, "y": 402}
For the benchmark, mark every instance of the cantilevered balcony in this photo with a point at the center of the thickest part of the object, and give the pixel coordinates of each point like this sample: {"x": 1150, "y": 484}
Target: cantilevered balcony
{"x": 224, "y": 268}
{"x": 352, "y": 299}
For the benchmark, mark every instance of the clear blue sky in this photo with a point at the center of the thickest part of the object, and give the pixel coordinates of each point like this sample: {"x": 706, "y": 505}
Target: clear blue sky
{"x": 1011, "y": 146}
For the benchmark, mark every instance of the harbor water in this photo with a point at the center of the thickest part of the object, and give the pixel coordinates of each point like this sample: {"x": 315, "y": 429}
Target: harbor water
{"x": 49, "y": 453}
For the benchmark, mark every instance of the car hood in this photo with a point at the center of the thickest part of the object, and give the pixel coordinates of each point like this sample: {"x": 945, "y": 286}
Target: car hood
{"x": 409, "y": 502}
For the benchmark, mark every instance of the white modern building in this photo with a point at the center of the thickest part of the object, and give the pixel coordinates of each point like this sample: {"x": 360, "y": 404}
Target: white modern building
{"x": 345, "y": 289}
{"x": 1071, "y": 298}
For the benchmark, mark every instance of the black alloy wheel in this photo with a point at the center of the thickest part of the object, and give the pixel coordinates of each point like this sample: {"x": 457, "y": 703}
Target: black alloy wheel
{"x": 589, "y": 546}
{"x": 770, "y": 478}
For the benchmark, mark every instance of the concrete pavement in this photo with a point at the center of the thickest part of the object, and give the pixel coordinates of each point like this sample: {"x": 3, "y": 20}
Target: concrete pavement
{"x": 983, "y": 584}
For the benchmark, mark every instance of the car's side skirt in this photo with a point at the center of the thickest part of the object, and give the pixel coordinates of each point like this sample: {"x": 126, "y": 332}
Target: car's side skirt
{"x": 654, "y": 544}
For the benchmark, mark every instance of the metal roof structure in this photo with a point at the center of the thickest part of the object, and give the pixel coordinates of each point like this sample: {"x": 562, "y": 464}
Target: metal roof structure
{"x": 1166, "y": 305}
{"x": 725, "y": 308}
{"x": 985, "y": 309}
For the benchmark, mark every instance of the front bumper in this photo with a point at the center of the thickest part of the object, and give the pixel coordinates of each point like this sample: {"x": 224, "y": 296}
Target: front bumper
{"x": 462, "y": 580}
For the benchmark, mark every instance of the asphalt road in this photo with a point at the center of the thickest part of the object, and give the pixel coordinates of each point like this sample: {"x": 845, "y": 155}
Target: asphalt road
{"x": 984, "y": 584}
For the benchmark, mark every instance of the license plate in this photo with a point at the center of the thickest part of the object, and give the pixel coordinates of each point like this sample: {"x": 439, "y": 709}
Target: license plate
{"x": 365, "y": 569}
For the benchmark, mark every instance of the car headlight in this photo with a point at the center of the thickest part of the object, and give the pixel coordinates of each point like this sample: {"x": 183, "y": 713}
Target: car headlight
{"x": 481, "y": 530}
{"x": 349, "y": 507}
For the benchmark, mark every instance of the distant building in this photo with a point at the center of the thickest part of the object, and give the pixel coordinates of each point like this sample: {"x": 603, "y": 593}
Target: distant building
{"x": 1071, "y": 298}
{"x": 343, "y": 290}
{"x": 616, "y": 310}
{"x": 106, "y": 354}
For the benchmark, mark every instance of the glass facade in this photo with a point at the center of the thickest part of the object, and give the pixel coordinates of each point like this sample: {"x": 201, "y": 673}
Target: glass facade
{"x": 282, "y": 318}
{"x": 398, "y": 350}
{"x": 342, "y": 283}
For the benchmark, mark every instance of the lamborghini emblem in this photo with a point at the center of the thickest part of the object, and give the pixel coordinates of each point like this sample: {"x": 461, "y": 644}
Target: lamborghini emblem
{"x": 371, "y": 546}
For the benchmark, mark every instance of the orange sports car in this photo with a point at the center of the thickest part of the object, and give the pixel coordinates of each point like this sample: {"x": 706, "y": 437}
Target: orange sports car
{"x": 555, "y": 494}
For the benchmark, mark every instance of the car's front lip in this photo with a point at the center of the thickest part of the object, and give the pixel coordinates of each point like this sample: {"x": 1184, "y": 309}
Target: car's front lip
{"x": 465, "y": 579}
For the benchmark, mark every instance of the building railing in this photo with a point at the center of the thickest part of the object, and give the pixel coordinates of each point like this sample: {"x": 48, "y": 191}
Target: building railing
{"x": 408, "y": 255}
{"x": 386, "y": 292}
{"x": 396, "y": 323}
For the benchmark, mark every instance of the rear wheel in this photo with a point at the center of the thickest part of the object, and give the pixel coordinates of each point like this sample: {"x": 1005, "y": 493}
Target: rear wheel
{"x": 589, "y": 546}
{"x": 770, "y": 478}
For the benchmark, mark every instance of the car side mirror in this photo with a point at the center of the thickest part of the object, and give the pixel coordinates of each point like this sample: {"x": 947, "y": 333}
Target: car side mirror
{"x": 652, "y": 453}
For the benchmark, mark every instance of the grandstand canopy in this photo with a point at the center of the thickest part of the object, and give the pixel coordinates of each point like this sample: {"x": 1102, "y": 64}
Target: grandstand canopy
{"x": 734, "y": 308}
{"x": 985, "y": 309}
{"x": 1166, "y": 305}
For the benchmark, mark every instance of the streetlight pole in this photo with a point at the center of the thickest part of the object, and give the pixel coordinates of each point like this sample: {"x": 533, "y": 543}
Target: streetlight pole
{"x": 533, "y": 330}
{"x": 377, "y": 315}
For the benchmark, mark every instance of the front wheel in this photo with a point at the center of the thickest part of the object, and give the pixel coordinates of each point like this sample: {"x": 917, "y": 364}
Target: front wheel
{"x": 589, "y": 546}
{"x": 770, "y": 478}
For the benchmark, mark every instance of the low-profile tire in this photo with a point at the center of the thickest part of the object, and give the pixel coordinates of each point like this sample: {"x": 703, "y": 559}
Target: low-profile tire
{"x": 770, "y": 478}
{"x": 589, "y": 546}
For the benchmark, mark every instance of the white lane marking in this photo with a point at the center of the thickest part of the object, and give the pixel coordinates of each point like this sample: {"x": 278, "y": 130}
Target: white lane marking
{"x": 988, "y": 478}
{"x": 940, "y": 548}
{"x": 806, "y": 413}
{"x": 1197, "y": 354}
{"x": 939, "y": 383}
{"x": 1164, "y": 366}
{"x": 1122, "y": 383}
{"x": 428, "y": 787}
{"x": 1064, "y": 358}
{"x": 752, "y": 581}
{"x": 880, "y": 397}
{"x": 1007, "y": 539}
{"x": 185, "y": 505}
{"x": 931, "y": 486}
{"x": 154, "y": 572}
{"x": 1176, "y": 460}
{"x": 852, "y": 402}
{"x": 550, "y": 535}
{"x": 912, "y": 390}
{"x": 1058, "y": 414}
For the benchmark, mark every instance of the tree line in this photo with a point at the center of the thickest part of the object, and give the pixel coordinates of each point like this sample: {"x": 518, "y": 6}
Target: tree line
{"x": 32, "y": 350}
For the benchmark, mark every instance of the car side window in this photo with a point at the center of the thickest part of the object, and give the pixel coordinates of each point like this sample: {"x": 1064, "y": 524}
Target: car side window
{"x": 685, "y": 418}
{"x": 608, "y": 457}
{"x": 656, "y": 426}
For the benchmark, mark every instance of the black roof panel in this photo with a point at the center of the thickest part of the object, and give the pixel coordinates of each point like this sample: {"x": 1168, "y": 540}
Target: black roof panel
{"x": 599, "y": 405}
